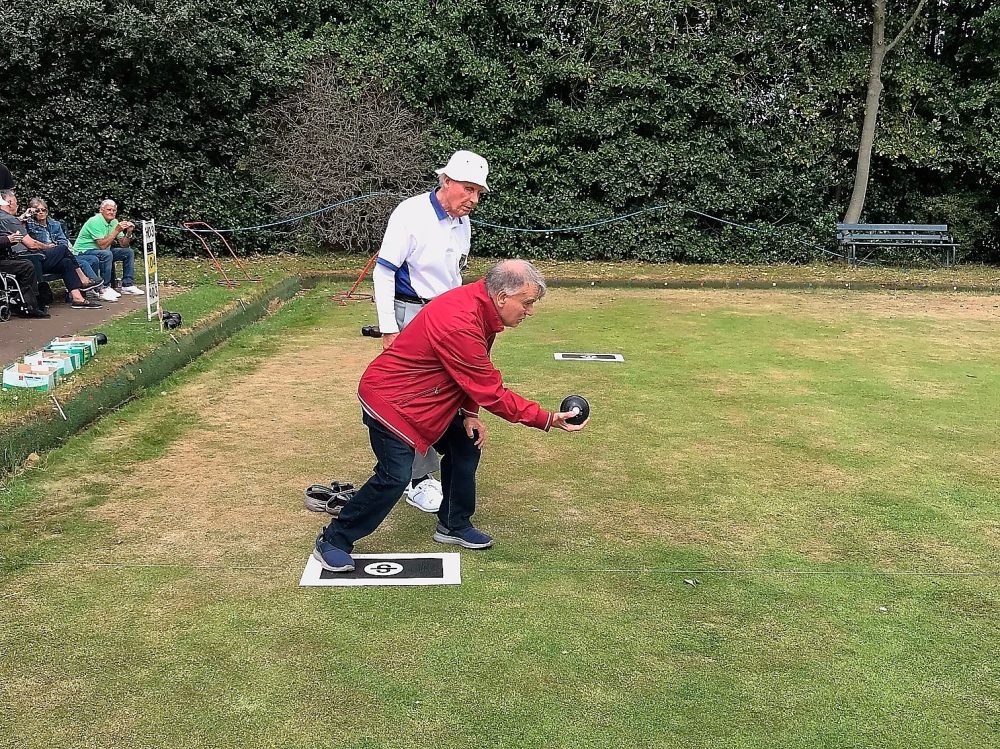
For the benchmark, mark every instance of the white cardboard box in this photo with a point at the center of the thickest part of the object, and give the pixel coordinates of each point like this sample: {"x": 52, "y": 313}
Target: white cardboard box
{"x": 62, "y": 361}
{"x": 77, "y": 353}
{"x": 28, "y": 376}
{"x": 80, "y": 340}
{"x": 65, "y": 345}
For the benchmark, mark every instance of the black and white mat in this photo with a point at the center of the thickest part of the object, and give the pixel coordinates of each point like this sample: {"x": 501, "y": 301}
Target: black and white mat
{"x": 388, "y": 569}
{"x": 588, "y": 357}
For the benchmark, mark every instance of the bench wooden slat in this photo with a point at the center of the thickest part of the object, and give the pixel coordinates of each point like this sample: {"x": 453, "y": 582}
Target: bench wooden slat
{"x": 886, "y": 238}
{"x": 892, "y": 227}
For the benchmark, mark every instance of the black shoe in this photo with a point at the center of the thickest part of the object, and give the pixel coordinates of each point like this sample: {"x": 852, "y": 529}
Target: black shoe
{"x": 90, "y": 286}
{"x": 331, "y": 558}
{"x": 37, "y": 314}
{"x": 85, "y": 304}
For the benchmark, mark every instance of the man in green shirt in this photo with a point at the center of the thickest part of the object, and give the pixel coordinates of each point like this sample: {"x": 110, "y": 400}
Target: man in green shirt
{"x": 99, "y": 236}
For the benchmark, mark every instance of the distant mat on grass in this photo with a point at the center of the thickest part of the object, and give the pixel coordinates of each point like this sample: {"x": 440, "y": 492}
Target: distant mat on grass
{"x": 588, "y": 357}
{"x": 388, "y": 569}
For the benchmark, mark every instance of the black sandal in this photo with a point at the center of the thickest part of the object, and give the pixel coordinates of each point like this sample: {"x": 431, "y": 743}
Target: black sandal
{"x": 329, "y": 498}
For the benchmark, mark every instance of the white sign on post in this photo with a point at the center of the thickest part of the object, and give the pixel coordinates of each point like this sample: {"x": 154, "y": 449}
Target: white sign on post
{"x": 152, "y": 279}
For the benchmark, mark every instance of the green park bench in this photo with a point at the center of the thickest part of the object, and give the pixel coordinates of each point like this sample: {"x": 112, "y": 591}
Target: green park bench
{"x": 870, "y": 238}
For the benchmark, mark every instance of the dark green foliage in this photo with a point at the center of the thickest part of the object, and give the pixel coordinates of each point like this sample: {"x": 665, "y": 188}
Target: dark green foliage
{"x": 938, "y": 144}
{"x": 749, "y": 111}
{"x": 151, "y": 103}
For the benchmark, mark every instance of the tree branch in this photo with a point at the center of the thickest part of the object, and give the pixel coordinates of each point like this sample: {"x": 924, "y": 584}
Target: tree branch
{"x": 332, "y": 140}
{"x": 907, "y": 25}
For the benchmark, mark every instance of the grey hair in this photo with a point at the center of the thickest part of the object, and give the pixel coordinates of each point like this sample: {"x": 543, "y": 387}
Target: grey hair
{"x": 6, "y": 194}
{"x": 36, "y": 202}
{"x": 510, "y": 275}
{"x": 108, "y": 201}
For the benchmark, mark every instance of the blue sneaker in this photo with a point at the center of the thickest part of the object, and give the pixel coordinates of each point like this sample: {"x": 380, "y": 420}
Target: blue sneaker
{"x": 468, "y": 538}
{"x": 331, "y": 558}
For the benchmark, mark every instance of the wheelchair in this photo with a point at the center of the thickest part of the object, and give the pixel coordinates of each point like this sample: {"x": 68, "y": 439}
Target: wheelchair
{"x": 11, "y": 297}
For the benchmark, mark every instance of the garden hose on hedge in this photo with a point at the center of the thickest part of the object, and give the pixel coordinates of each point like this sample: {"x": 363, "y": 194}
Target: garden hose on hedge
{"x": 501, "y": 227}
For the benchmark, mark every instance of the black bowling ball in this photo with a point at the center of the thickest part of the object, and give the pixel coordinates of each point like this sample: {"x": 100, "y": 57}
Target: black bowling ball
{"x": 171, "y": 320}
{"x": 571, "y": 402}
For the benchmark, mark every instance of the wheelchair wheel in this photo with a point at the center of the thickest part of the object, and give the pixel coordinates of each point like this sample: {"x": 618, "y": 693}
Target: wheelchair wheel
{"x": 4, "y": 313}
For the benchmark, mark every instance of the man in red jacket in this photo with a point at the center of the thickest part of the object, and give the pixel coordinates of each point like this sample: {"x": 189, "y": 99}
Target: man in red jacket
{"x": 426, "y": 390}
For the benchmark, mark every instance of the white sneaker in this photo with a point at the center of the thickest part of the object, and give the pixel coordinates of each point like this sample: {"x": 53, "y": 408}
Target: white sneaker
{"x": 108, "y": 295}
{"x": 133, "y": 290}
{"x": 426, "y": 495}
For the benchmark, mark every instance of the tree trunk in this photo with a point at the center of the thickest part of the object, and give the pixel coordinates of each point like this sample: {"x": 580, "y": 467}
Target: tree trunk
{"x": 871, "y": 117}
{"x": 879, "y": 51}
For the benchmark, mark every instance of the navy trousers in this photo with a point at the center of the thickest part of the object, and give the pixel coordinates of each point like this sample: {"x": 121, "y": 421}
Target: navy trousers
{"x": 375, "y": 500}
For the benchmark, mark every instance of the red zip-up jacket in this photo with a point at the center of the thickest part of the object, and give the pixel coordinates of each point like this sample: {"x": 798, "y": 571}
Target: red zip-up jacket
{"x": 440, "y": 363}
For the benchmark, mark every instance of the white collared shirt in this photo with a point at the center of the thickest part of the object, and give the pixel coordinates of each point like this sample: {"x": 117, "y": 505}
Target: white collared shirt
{"x": 422, "y": 255}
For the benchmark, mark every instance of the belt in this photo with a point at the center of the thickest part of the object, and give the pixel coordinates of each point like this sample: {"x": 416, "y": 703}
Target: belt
{"x": 411, "y": 299}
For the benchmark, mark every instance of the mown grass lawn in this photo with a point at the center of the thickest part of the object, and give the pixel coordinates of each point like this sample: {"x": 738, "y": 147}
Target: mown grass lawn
{"x": 780, "y": 529}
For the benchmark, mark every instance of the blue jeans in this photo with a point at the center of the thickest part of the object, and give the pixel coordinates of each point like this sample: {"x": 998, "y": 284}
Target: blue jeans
{"x": 91, "y": 266}
{"x": 126, "y": 257}
{"x": 60, "y": 260}
{"x": 105, "y": 261}
{"x": 375, "y": 500}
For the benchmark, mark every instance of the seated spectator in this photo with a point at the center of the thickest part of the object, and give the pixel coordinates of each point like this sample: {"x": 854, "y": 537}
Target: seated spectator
{"x": 50, "y": 234}
{"x": 101, "y": 232}
{"x": 53, "y": 259}
{"x": 23, "y": 270}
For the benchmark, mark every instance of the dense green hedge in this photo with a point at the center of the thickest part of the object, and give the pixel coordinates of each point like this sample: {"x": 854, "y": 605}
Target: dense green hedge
{"x": 749, "y": 111}
{"x": 150, "y": 103}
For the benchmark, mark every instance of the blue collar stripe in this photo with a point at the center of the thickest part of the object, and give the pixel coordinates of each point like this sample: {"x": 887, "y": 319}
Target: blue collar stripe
{"x": 439, "y": 211}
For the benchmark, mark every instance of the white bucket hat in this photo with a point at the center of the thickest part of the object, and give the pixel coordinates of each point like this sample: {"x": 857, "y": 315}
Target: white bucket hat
{"x": 466, "y": 166}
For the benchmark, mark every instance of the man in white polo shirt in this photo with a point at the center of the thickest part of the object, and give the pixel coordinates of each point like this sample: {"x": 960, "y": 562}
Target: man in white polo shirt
{"x": 424, "y": 250}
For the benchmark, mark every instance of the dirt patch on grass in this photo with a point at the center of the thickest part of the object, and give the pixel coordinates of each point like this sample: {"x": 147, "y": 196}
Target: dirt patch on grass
{"x": 230, "y": 489}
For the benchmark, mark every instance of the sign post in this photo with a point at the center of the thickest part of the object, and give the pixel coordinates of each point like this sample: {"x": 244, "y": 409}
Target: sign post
{"x": 152, "y": 279}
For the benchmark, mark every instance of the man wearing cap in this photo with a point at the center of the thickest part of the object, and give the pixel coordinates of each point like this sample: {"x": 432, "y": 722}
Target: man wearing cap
{"x": 423, "y": 253}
